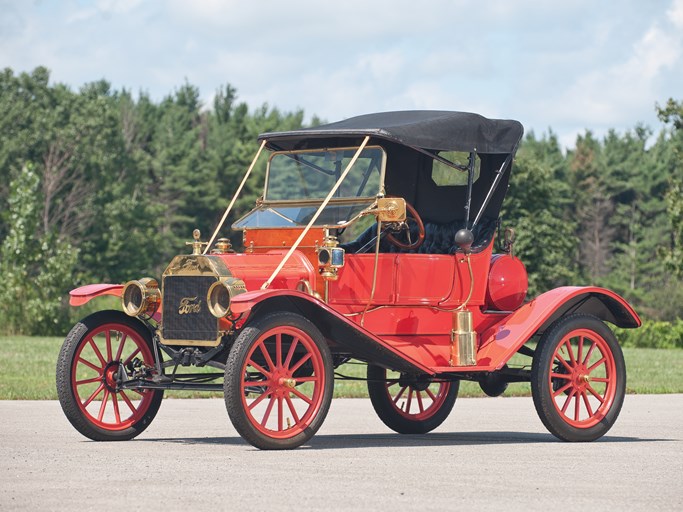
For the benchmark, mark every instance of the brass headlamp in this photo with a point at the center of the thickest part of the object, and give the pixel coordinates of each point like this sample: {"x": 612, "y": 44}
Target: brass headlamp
{"x": 141, "y": 297}
{"x": 220, "y": 295}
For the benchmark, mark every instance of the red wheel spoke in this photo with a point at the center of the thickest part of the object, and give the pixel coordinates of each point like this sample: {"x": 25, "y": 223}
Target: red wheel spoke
{"x": 595, "y": 393}
{"x": 589, "y": 353}
{"x": 258, "y": 400}
{"x": 98, "y": 369}
{"x": 88, "y": 381}
{"x": 569, "y": 399}
{"x": 107, "y": 336}
{"x": 128, "y": 402}
{"x": 562, "y": 360}
{"x": 280, "y": 414}
{"x": 562, "y": 389}
{"x": 601, "y": 361}
{"x": 268, "y": 409}
{"x": 130, "y": 357}
{"x": 568, "y": 344}
{"x": 258, "y": 368}
{"x": 587, "y": 403}
{"x": 255, "y": 383}
{"x": 400, "y": 394}
{"x": 312, "y": 378}
{"x": 580, "y": 354}
{"x": 97, "y": 352}
{"x": 431, "y": 395}
{"x": 563, "y": 376}
{"x": 104, "y": 405}
{"x": 420, "y": 406}
{"x": 577, "y": 406}
{"x": 92, "y": 397}
{"x": 290, "y": 354}
{"x": 116, "y": 408}
{"x": 266, "y": 355}
{"x": 292, "y": 409}
{"x": 301, "y": 362}
{"x": 278, "y": 350}
{"x": 600, "y": 379}
{"x": 410, "y": 400}
{"x": 298, "y": 393}
{"x": 121, "y": 344}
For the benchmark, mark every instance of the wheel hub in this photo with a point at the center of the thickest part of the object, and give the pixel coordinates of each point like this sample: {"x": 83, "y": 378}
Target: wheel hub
{"x": 287, "y": 382}
{"x": 109, "y": 376}
{"x": 418, "y": 383}
{"x": 580, "y": 377}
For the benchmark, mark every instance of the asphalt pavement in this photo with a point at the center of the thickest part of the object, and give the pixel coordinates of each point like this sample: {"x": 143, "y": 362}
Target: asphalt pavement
{"x": 490, "y": 454}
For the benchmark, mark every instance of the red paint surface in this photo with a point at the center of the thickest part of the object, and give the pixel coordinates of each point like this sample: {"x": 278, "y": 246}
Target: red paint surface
{"x": 84, "y": 294}
{"x": 507, "y": 283}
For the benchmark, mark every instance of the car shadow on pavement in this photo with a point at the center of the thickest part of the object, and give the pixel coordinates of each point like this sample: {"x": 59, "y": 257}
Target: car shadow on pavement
{"x": 382, "y": 440}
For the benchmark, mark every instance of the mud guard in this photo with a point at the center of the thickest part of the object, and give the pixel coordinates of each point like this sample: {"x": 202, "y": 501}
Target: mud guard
{"x": 341, "y": 332}
{"x": 499, "y": 343}
{"x": 85, "y": 294}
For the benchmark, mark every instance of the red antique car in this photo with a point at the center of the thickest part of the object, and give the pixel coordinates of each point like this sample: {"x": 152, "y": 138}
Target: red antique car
{"x": 373, "y": 241}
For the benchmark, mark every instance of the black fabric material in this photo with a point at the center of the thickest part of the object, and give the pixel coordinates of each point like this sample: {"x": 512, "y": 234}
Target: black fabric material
{"x": 433, "y": 130}
{"x": 439, "y": 238}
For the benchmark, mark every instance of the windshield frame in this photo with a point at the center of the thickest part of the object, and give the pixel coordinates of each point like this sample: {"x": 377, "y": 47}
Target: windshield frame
{"x": 340, "y": 200}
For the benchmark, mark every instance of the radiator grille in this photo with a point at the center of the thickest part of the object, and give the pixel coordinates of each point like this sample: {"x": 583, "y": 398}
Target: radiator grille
{"x": 186, "y": 315}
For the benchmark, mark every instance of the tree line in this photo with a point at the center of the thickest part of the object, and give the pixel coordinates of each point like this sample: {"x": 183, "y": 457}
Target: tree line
{"x": 99, "y": 185}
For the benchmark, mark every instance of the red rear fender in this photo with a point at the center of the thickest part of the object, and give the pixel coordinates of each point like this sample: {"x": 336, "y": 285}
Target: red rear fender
{"x": 500, "y": 342}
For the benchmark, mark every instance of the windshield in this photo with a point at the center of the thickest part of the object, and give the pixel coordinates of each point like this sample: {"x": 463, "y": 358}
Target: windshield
{"x": 306, "y": 175}
{"x": 297, "y": 182}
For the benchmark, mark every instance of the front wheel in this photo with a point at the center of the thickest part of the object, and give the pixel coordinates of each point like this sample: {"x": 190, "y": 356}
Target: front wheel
{"x": 410, "y": 404}
{"x": 278, "y": 381}
{"x": 578, "y": 378}
{"x": 89, "y": 364}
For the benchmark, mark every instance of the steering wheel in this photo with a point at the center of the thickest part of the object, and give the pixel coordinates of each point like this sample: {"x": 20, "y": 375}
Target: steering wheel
{"x": 395, "y": 229}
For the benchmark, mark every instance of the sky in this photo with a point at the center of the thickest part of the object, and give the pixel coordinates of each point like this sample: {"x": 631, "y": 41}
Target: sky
{"x": 569, "y": 66}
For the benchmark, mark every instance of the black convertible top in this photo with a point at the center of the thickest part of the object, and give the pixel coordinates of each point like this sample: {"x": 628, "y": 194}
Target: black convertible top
{"x": 433, "y": 130}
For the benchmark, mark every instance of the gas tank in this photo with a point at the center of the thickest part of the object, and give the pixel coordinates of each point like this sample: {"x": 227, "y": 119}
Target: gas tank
{"x": 507, "y": 283}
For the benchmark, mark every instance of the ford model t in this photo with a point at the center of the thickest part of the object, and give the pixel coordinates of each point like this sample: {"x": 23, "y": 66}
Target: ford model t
{"x": 373, "y": 241}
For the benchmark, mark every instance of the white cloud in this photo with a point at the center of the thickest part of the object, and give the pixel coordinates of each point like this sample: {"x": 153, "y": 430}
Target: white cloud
{"x": 675, "y": 13}
{"x": 545, "y": 63}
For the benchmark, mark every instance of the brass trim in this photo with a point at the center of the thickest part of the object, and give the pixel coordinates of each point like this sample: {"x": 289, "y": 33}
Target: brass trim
{"x": 317, "y": 214}
{"x": 150, "y": 297}
{"x": 237, "y": 192}
{"x": 194, "y": 265}
{"x": 232, "y": 286}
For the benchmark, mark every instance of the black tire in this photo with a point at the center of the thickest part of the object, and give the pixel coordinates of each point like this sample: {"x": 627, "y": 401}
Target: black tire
{"x": 297, "y": 384}
{"x": 578, "y": 378}
{"x": 86, "y": 371}
{"x": 405, "y": 419}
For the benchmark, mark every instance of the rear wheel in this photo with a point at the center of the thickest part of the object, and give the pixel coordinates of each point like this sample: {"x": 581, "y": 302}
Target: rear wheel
{"x": 410, "y": 404}
{"x": 87, "y": 377}
{"x": 279, "y": 381}
{"x": 578, "y": 378}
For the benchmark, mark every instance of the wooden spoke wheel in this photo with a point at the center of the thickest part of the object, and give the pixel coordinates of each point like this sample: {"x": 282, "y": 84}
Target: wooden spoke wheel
{"x": 578, "y": 378}
{"x": 278, "y": 381}
{"x": 87, "y": 377}
{"x": 410, "y": 405}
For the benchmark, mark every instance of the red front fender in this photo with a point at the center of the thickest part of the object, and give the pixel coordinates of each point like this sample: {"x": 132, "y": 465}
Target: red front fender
{"x": 84, "y": 294}
{"x": 500, "y": 342}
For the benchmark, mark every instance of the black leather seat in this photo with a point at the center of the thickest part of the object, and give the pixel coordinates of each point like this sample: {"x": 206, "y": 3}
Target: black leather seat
{"x": 439, "y": 238}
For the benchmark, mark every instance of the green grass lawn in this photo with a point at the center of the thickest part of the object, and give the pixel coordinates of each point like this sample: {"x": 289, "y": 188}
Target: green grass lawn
{"x": 27, "y": 372}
